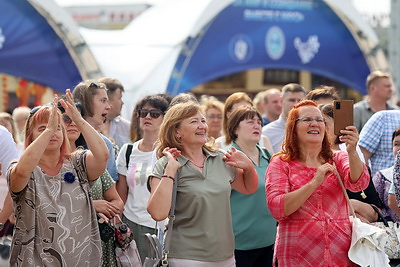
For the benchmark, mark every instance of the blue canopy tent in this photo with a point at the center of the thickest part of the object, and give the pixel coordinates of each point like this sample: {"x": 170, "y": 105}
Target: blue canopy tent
{"x": 299, "y": 35}
{"x": 41, "y": 43}
{"x": 176, "y": 45}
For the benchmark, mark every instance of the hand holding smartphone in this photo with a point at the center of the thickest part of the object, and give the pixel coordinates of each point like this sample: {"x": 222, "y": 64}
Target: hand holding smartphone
{"x": 342, "y": 115}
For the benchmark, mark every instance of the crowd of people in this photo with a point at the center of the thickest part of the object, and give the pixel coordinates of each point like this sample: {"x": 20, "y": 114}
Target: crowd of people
{"x": 257, "y": 179}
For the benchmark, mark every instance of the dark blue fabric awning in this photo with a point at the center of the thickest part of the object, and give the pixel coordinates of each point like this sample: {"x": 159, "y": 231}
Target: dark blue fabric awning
{"x": 30, "y": 48}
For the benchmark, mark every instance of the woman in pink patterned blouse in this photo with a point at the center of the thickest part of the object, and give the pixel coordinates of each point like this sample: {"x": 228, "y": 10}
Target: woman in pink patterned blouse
{"x": 305, "y": 196}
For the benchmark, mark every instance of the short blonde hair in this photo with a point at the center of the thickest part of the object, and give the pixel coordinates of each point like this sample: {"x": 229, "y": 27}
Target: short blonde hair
{"x": 208, "y": 102}
{"x": 375, "y": 75}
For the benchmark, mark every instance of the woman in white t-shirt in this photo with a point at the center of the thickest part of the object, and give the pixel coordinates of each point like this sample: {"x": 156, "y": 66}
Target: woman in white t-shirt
{"x": 133, "y": 173}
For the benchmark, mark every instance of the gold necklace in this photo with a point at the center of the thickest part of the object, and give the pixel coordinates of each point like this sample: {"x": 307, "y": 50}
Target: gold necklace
{"x": 200, "y": 167}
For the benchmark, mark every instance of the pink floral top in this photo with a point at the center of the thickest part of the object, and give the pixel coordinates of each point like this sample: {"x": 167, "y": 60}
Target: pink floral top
{"x": 319, "y": 232}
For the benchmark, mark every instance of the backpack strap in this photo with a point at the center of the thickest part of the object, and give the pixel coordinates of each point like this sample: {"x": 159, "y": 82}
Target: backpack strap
{"x": 267, "y": 153}
{"x": 128, "y": 154}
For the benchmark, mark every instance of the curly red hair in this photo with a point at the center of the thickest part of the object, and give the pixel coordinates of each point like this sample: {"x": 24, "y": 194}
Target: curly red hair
{"x": 290, "y": 147}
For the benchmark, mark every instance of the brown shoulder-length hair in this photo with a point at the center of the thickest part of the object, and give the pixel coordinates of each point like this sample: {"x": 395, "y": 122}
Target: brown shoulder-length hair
{"x": 172, "y": 121}
{"x": 42, "y": 116}
{"x": 290, "y": 147}
{"x": 84, "y": 93}
{"x": 229, "y": 102}
{"x": 238, "y": 115}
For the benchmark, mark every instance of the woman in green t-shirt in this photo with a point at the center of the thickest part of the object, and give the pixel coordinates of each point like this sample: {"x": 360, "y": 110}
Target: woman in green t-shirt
{"x": 202, "y": 233}
{"x": 253, "y": 225}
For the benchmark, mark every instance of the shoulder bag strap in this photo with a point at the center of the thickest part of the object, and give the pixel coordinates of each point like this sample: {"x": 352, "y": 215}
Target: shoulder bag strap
{"x": 128, "y": 154}
{"x": 171, "y": 218}
{"x": 344, "y": 191}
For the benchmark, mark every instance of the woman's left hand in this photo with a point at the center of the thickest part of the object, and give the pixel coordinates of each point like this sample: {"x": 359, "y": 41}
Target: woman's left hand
{"x": 105, "y": 207}
{"x": 70, "y": 107}
{"x": 237, "y": 159}
{"x": 350, "y": 137}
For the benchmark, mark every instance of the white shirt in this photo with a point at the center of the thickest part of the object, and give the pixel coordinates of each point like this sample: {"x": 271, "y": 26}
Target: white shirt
{"x": 275, "y": 131}
{"x": 8, "y": 152}
{"x": 119, "y": 131}
{"x": 140, "y": 166}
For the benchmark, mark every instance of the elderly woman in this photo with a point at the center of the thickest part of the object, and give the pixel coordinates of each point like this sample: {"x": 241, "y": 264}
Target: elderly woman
{"x": 213, "y": 109}
{"x": 253, "y": 225}
{"x": 55, "y": 219}
{"x": 304, "y": 193}
{"x": 202, "y": 233}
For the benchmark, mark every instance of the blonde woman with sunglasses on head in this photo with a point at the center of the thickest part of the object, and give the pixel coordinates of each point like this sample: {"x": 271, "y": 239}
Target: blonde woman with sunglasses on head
{"x": 55, "y": 219}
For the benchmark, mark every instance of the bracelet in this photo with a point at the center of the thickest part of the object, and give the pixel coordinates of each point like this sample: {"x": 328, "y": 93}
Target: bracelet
{"x": 168, "y": 176}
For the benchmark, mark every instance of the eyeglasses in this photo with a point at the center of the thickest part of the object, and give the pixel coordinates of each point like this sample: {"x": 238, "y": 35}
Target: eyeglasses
{"x": 212, "y": 117}
{"x": 66, "y": 119}
{"x": 153, "y": 113}
{"x": 310, "y": 119}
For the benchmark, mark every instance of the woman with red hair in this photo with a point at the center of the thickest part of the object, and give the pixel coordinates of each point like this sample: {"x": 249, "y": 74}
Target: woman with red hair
{"x": 56, "y": 221}
{"x": 304, "y": 194}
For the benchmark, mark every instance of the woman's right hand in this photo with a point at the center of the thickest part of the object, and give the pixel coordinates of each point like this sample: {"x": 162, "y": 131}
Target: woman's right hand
{"x": 53, "y": 122}
{"x": 322, "y": 172}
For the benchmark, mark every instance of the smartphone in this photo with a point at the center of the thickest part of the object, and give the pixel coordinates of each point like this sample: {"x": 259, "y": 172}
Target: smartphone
{"x": 342, "y": 115}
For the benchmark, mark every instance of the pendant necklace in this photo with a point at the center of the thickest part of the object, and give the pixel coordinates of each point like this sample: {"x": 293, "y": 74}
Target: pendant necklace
{"x": 200, "y": 167}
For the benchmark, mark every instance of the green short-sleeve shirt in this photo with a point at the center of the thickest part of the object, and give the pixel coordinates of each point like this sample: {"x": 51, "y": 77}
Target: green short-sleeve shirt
{"x": 203, "y": 226}
{"x": 253, "y": 225}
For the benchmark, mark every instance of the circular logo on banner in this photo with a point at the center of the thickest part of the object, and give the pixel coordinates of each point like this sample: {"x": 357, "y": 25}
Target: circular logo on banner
{"x": 275, "y": 43}
{"x": 241, "y": 48}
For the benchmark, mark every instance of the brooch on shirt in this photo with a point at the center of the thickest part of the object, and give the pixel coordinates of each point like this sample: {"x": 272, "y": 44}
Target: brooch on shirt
{"x": 69, "y": 177}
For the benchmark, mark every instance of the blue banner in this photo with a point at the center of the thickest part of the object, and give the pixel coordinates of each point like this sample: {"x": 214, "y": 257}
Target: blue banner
{"x": 29, "y": 48}
{"x": 302, "y": 35}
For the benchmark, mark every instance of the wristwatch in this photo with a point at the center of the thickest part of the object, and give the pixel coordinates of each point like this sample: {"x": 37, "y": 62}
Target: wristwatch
{"x": 1, "y": 226}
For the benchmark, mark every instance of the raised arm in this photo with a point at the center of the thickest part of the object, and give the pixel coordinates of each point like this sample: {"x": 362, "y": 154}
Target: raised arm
{"x": 97, "y": 156}
{"x": 350, "y": 137}
{"x": 246, "y": 181}
{"x": 29, "y": 159}
{"x": 161, "y": 187}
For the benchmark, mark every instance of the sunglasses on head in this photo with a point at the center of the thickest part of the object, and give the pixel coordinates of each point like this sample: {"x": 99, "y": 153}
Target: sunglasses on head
{"x": 153, "y": 113}
{"x": 94, "y": 84}
{"x": 35, "y": 109}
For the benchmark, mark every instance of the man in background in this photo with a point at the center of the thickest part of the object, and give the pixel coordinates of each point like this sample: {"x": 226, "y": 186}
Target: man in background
{"x": 272, "y": 105}
{"x": 115, "y": 127}
{"x": 380, "y": 90}
{"x": 292, "y": 94}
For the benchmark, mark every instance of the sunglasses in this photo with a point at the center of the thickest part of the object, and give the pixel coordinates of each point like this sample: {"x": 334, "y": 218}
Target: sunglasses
{"x": 153, "y": 113}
